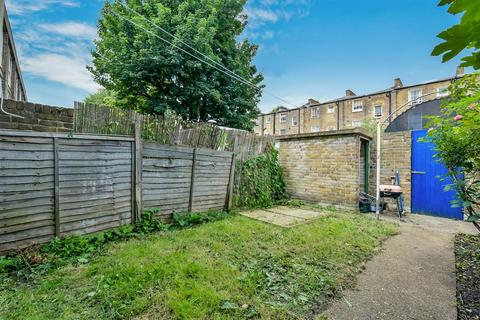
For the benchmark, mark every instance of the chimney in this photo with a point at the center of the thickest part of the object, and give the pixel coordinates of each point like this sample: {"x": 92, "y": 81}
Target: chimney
{"x": 460, "y": 71}
{"x": 350, "y": 93}
{"x": 397, "y": 83}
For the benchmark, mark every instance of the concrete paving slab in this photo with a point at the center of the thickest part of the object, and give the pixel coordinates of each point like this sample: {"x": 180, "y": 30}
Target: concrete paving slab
{"x": 284, "y": 216}
{"x": 273, "y": 218}
{"x": 298, "y": 212}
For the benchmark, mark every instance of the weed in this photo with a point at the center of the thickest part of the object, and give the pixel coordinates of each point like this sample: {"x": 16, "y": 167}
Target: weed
{"x": 79, "y": 249}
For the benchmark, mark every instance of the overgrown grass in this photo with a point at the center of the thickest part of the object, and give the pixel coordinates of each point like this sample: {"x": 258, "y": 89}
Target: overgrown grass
{"x": 231, "y": 269}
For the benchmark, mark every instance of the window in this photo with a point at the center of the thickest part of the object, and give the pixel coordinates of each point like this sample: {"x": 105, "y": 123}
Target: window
{"x": 315, "y": 129}
{"x": 442, "y": 92}
{"x": 315, "y": 113}
{"x": 414, "y": 96}
{"x": 357, "y": 106}
{"x": 257, "y": 122}
{"x": 378, "y": 111}
{"x": 283, "y": 117}
{"x": 283, "y": 131}
{"x": 331, "y": 109}
{"x": 357, "y": 124}
{"x": 294, "y": 121}
{"x": 268, "y": 120}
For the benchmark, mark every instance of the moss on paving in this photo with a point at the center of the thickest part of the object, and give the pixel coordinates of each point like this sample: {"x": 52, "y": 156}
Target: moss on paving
{"x": 233, "y": 269}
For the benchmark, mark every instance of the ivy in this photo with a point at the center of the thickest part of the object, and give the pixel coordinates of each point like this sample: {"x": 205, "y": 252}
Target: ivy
{"x": 260, "y": 181}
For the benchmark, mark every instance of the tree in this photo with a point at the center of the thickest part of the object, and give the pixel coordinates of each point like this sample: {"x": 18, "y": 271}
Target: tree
{"x": 102, "y": 97}
{"x": 465, "y": 35}
{"x": 153, "y": 76}
{"x": 456, "y": 135}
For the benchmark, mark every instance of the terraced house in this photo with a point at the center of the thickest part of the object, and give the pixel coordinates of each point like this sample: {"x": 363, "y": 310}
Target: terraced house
{"x": 352, "y": 110}
{"x": 13, "y": 86}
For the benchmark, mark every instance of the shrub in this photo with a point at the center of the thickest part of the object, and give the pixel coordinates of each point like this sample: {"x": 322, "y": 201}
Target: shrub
{"x": 456, "y": 135}
{"x": 259, "y": 182}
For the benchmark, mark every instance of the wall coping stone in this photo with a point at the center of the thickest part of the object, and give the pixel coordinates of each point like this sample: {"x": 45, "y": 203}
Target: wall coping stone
{"x": 345, "y": 132}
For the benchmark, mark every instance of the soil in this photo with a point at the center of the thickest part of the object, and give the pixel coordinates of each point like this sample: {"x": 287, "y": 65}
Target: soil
{"x": 467, "y": 262}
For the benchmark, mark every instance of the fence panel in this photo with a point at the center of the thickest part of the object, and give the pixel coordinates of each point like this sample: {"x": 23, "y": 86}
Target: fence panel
{"x": 26, "y": 191}
{"x": 95, "y": 185}
{"x": 212, "y": 177}
{"x": 167, "y": 172}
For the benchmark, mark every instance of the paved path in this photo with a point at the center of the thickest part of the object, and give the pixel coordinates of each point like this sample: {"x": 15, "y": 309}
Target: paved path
{"x": 412, "y": 278}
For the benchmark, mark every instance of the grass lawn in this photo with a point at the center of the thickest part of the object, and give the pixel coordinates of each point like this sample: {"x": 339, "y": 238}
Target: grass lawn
{"x": 232, "y": 269}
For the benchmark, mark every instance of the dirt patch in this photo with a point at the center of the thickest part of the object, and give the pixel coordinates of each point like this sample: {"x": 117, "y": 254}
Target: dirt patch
{"x": 467, "y": 262}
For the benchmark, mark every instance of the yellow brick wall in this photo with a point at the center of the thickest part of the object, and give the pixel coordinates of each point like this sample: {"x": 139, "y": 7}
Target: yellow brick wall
{"x": 322, "y": 168}
{"x": 396, "y": 155}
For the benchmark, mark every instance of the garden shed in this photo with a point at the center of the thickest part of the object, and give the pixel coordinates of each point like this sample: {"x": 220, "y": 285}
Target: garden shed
{"x": 326, "y": 167}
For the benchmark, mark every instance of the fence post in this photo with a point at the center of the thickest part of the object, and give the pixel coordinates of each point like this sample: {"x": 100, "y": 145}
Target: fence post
{"x": 192, "y": 181}
{"x": 231, "y": 182}
{"x": 56, "y": 179}
{"x": 137, "y": 158}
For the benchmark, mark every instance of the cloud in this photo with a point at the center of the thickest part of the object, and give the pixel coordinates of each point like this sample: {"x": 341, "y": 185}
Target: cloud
{"x": 57, "y": 51}
{"x": 73, "y": 29}
{"x": 23, "y": 7}
{"x": 264, "y": 12}
{"x": 68, "y": 70}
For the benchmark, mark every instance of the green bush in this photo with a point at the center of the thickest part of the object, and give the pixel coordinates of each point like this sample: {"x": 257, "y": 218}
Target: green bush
{"x": 260, "y": 182}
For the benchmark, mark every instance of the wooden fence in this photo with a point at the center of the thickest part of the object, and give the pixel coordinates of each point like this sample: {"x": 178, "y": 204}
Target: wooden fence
{"x": 169, "y": 129}
{"x": 58, "y": 185}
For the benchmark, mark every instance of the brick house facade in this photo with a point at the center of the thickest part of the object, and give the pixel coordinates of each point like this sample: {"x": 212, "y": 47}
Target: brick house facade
{"x": 350, "y": 111}
{"x": 13, "y": 86}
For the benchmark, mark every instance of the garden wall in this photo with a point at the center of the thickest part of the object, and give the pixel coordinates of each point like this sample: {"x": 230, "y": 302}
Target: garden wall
{"x": 58, "y": 185}
{"x": 324, "y": 167}
{"x": 37, "y": 117}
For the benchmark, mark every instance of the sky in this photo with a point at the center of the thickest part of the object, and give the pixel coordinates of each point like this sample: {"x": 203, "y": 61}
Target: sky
{"x": 308, "y": 48}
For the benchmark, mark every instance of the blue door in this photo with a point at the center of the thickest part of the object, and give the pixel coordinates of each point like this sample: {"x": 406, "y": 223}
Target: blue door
{"x": 428, "y": 195}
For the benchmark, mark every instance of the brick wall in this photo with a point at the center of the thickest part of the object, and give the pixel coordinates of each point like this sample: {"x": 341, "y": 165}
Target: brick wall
{"x": 323, "y": 167}
{"x": 37, "y": 117}
{"x": 396, "y": 155}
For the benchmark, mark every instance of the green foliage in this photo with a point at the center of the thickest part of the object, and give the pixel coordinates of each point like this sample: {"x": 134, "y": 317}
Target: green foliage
{"x": 260, "y": 181}
{"x": 233, "y": 269}
{"x": 456, "y": 135}
{"x": 294, "y": 203}
{"x": 103, "y": 97}
{"x": 154, "y": 76}
{"x": 465, "y": 35}
{"x": 80, "y": 249}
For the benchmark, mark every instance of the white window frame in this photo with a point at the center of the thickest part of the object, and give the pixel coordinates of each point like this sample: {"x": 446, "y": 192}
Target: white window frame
{"x": 375, "y": 114}
{"x": 357, "y": 105}
{"x": 315, "y": 128}
{"x": 442, "y": 92}
{"x": 258, "y": 122}
{"x": 331, "y": 108}
{"x": 283, "y": 117}
{"x": 315, "y": 113}
{"x": 282, "y": 132}
{"x": 294, "y": 121}
{"x": 268, "y": 120}
{"x": 412, "y": 99}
